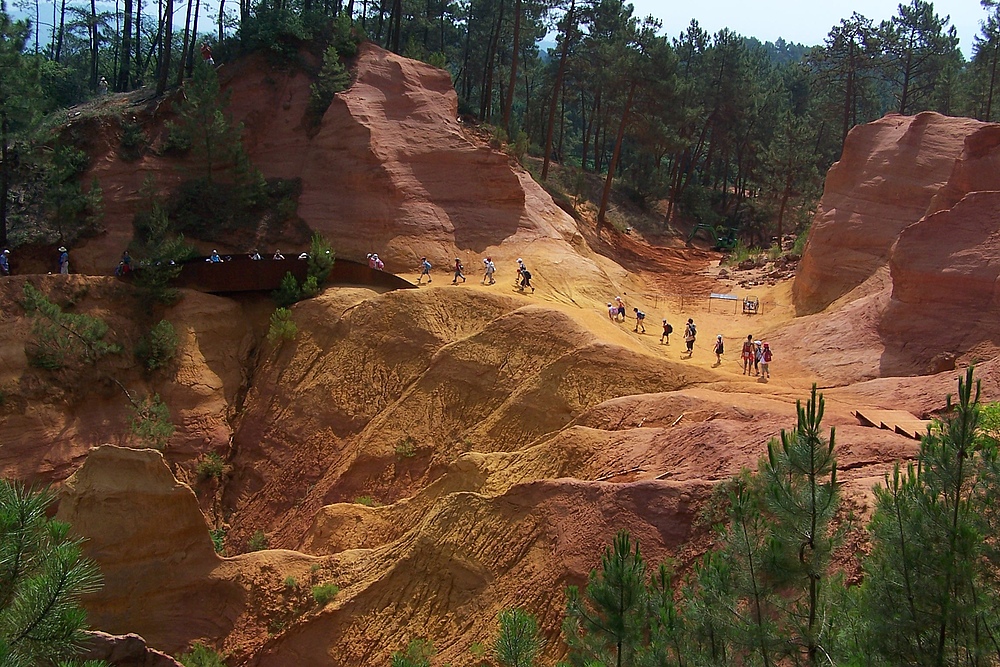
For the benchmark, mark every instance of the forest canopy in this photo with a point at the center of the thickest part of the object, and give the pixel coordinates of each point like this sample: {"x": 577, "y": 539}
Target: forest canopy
{"x": 732, "y": 132}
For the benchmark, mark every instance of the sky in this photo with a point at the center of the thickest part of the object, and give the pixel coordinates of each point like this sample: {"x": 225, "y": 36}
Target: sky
{"x": 804, "y": 21}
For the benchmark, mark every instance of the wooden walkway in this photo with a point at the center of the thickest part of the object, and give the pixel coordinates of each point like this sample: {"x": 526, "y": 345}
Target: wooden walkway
{"x": 900, "y": 421}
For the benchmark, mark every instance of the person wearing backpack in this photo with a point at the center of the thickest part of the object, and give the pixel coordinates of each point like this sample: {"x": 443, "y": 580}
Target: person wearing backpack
{"x": 720, "y": 349}
{"x": 667, "y": 330}
{"x": 690, "y": 333}
{"x": 425, "y": 270}
{"x": 765, "y": 362}
{"x": 458, "y": 272}
{"x": 640, "y": 320}
{"x": 526, "y": 279}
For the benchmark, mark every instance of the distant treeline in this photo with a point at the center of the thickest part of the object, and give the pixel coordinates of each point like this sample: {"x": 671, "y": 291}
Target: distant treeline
{"x": 726, "y": 129}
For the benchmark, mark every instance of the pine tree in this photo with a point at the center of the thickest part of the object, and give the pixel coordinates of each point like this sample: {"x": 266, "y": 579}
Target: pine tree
{"x": 42, "y": 576}
{"x": 608, "y": 625}
{"x": 518, "y": 643}
{"x": 930, "y": 595}
{"x": 802, "y": 497}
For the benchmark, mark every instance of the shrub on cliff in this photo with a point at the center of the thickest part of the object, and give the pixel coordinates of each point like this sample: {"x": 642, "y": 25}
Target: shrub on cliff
{"x": 63, "y": 340}
{"x": 158, "y": 347}
{"x": 42, "y": 577}
{"x": 333, "y": 77}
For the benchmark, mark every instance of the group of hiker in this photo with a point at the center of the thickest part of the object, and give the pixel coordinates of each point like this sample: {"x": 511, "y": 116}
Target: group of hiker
{"x": 521, "y": 282}
{"x": 755, "y": 356}
{"x": 62, "y": 261}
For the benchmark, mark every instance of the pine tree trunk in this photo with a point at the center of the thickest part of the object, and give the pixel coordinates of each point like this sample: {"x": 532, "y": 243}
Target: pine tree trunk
{"x": 123, "y": 72}
{"x": 194, "y": 39}
{"x": 616, "y": 154}
{"x": 4, "y": 176}
{"x": 62, "y": 30}
{"x": 557, "y": 90}
{"x": 184, "y": 44}
{"x": 161, "y": 84}
{"x": 94, "y": 44}
{"x": 512, "y": 82}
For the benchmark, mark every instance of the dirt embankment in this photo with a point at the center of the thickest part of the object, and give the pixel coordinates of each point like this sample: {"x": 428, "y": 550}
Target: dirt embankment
{"x": 444, "y": 453}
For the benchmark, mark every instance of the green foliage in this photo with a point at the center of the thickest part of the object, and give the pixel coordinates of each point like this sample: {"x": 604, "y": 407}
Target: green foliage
{"x": 258, "y": 541}
{"x": 63, "y": 340}
{"x": 518, "y": 643}
{"x": 930, "y": 592}
{"x": 310, "y": 288}
{"x": 800, "y": 243}
{"x": 323, "y": 594}
{"x": 418, "y": 653}
{"x": 367, "y": 501}
{"x": 211, "y": 466}
{"x": 201, "y": 656}
{"x": 291, "y": 582}
{"x": 218, "y": 536}
{"x": 333, "y": 77}
{"x": 133, "y": 141}
{"x": 203, "y": 124}
{"x": 156, "y": 251}
{"x": 282, "y": 327}
{"x": 607, "y": 625}
{"x": 288, "y": 293}
{"x": 321, "y": 258}
{"x": 42, "y": 577}
{"x": 406, "y": 448}
{"x": 520, "y": 146}
{"x": 150, "y": 422}
{"x": 158, "y": 347}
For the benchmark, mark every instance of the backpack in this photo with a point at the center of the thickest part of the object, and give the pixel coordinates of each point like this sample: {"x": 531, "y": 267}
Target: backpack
{"x": 527, "y": 274}
{"x": 640, "y": 315}
{"x": 670, "y": 328}
{"x": 694, "y": 329}
{"x": 719, "y": 348}
{"x": 427, "y": 265}
{"x": 766, "y": 358}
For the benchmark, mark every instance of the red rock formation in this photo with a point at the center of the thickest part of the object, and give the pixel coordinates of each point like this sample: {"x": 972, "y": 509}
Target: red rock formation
{"x": 124, "y": 651}
{"x": 149, "y": 538}
{"x": 945, "y": 296}
{"x": 888, "y": 174}
{"x": 388, "y": 168}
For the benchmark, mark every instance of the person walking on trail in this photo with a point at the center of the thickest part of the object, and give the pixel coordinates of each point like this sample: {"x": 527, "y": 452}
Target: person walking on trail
{"x": 5, "y": 263}
{"x": 63, "y": 260}
{"x": 621, "y": 307}
{"x": 458, "y": 272}
{"x": 690, "y": 333}
{"x": 379, "y": 264}
{"x": 612, "y": 312}
{"x": 765, "y": 362}
{"x": 525, "y": 279}
{"x": 371, "y": 260}
{"x": 425, "y": 270}
{"x": 640, "y": 320}
{"x": 520, "y": 270}
{"x": 720, "y": 349}
{"x": 747, "y": 354}
{"x": 489, "y": 268}
{"x": 667, "y": 330}
{"x": 758, "y": 351}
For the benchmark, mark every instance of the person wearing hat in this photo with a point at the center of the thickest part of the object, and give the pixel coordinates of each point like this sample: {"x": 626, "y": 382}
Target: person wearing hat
{"x": 765, "y": 361}
{"x": 758, "y": 352}
{"x": 379, "y": 264}
{"x": 5, "y": 263}
{"x": 690, "y": 333}
{"x": 63, "y": 260}
{"x": 425, "y": 270}
{"x": 214, "y": 257}
{"x": 720, "y": 349}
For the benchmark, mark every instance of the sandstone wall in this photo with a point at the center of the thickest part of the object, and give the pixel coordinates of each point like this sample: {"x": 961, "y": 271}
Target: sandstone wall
{"x": 885, "y": 181}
